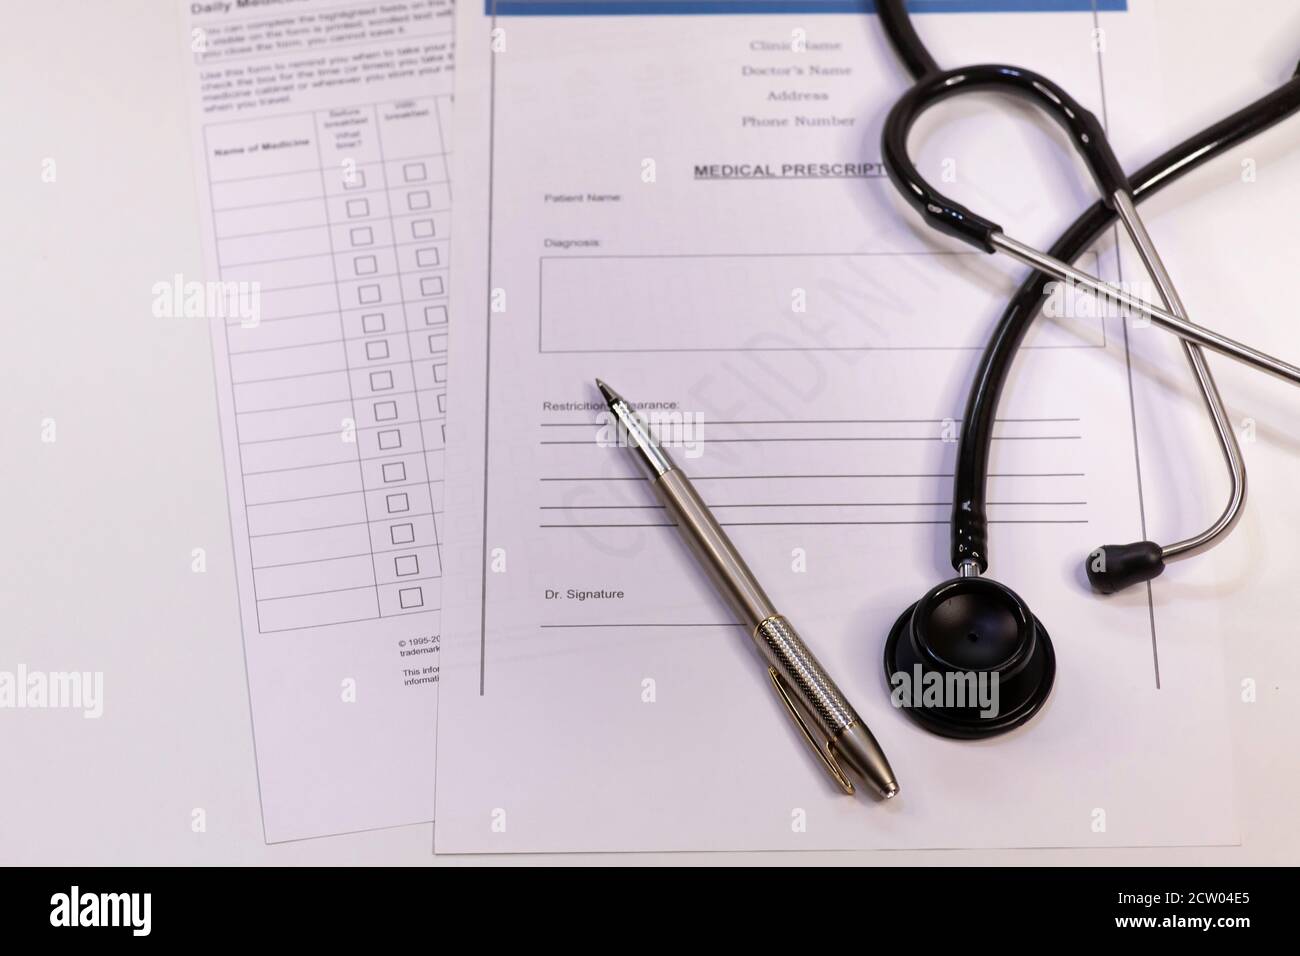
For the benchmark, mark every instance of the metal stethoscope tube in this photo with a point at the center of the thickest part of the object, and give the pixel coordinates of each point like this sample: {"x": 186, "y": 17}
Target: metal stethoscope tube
{"x": 1166, "y": 320}
{"x": 1173, "y": 318}
{"x": 1231, "y": 514}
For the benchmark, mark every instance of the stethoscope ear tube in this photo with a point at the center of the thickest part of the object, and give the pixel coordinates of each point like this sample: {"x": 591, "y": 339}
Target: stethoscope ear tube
{"x": 951, "y": 217}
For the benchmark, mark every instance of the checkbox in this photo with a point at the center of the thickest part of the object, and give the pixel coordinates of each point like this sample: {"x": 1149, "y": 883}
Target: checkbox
{"x": 410, "y": 597}
{"x": 374, "y": 322}
{"x": 422, "y": 229}
{"x": 437, "y": 343}
{"x": 415, "y": 172}
{"x": 442, "y": 402}
{"x": 404, "y": 565}
{"x": 385, "y": 411}
{"x": 435, "y": 315}
{"x": 354, "y": 179}
{"x": 394, "y": 471}
{"x": 381, "y": 381}
{"x": 402, "y": 533}
{"x": 362, "y": 236}
{"x": 418, "y": 200}
{"x": 365, "y": 265}
{"x": 431, "y": 285}
{"x": 388, "y": 440}
{"x": 377, "y": 349}
{"x": 368, "y": 294}
{"x": 426, "y": 257}
{"x": 440, "y": 372}
{"x": 398, "y": 503}
{"x": 357, "y": 208}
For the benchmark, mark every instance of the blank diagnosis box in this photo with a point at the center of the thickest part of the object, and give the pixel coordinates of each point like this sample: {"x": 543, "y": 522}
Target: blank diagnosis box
{"x": 422, "y": 229}
{"x": 431, "y": 285}
{"x": 402, "y": 533}
{"x": 362, "y": 236}
{"x": 385, "y": 411}
{"x": 774, "y": 302}
{"x": 358, "y": 208}
{"x": 405, "y": 565}
{"x": 398, "y": 503}
{"x": 435, "y": 315}
{"x": 426, "y": 257}
{"x": 410, "y": 597}
{"x": 415, "y": 172}
{"x": 372, "y": 323}
{"x": 418, "y": 200}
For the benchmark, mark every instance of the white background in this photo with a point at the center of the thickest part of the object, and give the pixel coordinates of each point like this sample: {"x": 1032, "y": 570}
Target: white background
{"x": 97, "y": 529}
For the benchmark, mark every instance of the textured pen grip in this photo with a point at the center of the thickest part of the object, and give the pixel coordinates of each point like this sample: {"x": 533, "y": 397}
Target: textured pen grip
{"x": 793, "y": 661}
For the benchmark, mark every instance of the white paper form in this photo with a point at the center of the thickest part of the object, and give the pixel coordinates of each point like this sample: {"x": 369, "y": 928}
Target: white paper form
{"x": 322, "y": 138}
{"x": 695, "y": 211}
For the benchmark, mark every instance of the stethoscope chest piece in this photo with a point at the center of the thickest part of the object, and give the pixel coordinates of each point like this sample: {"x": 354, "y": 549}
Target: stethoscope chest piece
{"x": 973, "y": 659}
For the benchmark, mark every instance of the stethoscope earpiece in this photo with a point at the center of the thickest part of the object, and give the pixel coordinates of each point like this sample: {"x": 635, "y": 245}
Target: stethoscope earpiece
{"x": 966, "y": 628}
{"x": 1113, "y": 567}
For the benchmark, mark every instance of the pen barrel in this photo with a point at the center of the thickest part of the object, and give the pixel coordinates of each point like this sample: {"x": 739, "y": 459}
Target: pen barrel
{"x": 789, "y": 656}
{"x": 800, "y": 681}
{"x": 777, "y": 640}
{"x": 713, "y": 549}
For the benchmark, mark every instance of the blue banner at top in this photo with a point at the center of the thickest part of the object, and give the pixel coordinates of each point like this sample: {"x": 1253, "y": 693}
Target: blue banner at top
{"x": 607, "y": 8}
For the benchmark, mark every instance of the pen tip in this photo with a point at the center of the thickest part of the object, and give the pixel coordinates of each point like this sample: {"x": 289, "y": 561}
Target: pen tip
{"x": 611, "y": 396}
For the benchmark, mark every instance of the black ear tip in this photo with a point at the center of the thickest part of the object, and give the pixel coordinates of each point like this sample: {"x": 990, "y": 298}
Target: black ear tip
{"x": 1114, "y": 567}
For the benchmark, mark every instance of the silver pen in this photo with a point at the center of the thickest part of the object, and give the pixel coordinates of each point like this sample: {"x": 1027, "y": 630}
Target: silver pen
{"x": 842, "y": 739}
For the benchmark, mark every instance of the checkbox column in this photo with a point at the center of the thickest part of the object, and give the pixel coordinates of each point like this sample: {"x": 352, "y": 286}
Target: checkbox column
{"x": 419, "y": 202}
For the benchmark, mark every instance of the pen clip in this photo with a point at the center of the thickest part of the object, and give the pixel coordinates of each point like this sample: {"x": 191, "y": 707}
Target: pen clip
{"x": 823, "y": 751}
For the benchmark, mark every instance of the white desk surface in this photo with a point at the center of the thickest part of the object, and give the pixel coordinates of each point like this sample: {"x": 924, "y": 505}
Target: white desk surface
{"x": 99, "y": 526}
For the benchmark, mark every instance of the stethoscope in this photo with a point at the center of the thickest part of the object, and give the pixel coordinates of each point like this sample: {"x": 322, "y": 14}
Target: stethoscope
{"x": 973, "y": 624}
